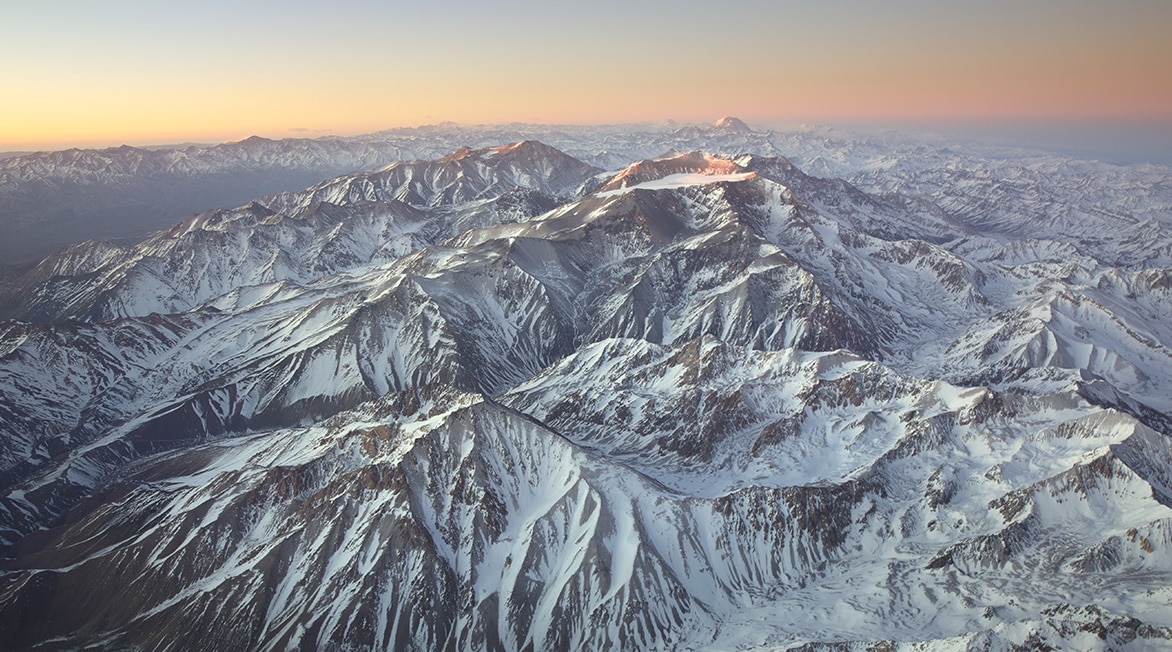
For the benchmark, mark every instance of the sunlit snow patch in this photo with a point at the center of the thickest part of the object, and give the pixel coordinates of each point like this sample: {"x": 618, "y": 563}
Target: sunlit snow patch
{"x": 680, "y": 180}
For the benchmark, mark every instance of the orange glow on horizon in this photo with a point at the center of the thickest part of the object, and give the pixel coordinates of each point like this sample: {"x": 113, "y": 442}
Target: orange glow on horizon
{"x": 120, "y": 76}
{"x": 167, "y": 115}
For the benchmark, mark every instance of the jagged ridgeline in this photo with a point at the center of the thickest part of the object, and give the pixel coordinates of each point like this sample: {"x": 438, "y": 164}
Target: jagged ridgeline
{"x": 506, "y": 399}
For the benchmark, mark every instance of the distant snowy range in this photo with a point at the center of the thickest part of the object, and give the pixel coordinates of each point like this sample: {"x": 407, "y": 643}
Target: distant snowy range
{"x": 669, "y": 387}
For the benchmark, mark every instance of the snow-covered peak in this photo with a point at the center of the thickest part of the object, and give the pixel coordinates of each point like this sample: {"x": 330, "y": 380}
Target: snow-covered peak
{"x": 689, "y": 165}
{"x": 731, "y": 124}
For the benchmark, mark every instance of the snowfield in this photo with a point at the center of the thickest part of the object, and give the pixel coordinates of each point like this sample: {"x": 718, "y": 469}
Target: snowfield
{"x": 679, "y": 180}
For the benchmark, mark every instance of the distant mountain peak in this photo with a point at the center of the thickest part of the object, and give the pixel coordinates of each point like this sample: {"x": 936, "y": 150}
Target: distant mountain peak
{"x": 459, "y": 153}
{"x": 527, "y": 146}
{"x": 255, "y": 140}
{"x": 731, "y": 124}
{"x": 522, "y": 150}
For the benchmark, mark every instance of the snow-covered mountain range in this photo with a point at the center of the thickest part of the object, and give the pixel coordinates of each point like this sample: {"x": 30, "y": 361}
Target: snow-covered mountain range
{"x": 709, "y": 398}
{"x": 49, "y": 200}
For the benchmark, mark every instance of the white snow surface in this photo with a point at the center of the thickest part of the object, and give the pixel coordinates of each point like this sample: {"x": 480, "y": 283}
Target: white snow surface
{"x": 679, "y": 180}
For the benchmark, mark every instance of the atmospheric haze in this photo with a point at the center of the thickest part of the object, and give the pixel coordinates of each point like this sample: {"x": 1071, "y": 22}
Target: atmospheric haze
{"x": 148, "y": 73}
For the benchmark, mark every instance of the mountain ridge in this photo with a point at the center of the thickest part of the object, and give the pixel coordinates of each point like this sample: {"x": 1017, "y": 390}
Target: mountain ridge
{"x": 47, "y": 203}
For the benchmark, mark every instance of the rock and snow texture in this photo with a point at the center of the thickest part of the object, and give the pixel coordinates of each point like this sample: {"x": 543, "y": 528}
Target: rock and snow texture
{"x": 501, "y": 400}
{"x": 49, "y": 200}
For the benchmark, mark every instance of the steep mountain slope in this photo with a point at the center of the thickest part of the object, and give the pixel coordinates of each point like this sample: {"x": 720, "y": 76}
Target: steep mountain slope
{"x": 332, "y": 227}
{"x": 495, "y": 401}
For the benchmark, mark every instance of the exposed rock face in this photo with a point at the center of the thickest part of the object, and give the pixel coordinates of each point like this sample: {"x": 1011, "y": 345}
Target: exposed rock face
{"x": 495, "y": 400}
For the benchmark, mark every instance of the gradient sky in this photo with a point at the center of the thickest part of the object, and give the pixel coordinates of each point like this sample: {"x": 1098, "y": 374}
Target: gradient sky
{"x": 83, "y": 73}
